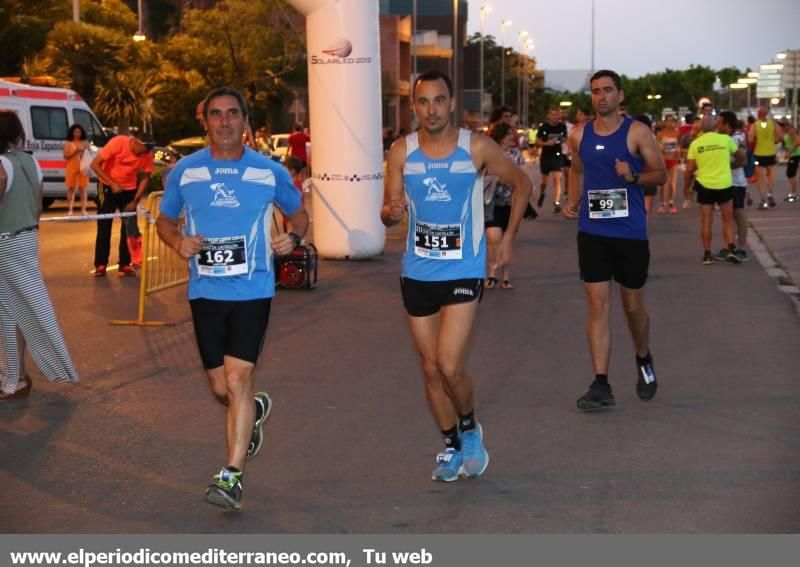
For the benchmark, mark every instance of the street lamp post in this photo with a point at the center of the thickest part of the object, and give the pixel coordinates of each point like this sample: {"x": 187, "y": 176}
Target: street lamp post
{"x": 414, "y": 40}
{"x": 455, "y": 57}
{"x": 521, "y": 39}
{"x": 739, "y": 86}
{"x": 485, "y": 9}
{"x": 654, "y": 98}
{"x": 139, "y": 35}
{"x": 503, "y": 26}
{"x": 526, "y": 111}
{"x": 592, "y": 37}
{"x": 747, "y": 82}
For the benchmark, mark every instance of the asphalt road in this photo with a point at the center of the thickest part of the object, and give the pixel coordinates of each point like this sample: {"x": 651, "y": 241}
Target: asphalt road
{"x": 350, "y": 445}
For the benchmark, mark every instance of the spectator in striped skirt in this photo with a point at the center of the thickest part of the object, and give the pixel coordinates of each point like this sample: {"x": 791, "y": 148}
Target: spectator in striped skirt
{"x": 27, "y": 318}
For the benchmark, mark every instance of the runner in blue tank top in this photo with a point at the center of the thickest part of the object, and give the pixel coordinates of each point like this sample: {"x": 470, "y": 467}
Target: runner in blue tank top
{"x": 436, "y": 174}
{"x": 226, "y": 194}
{"x": 605, "y": 195}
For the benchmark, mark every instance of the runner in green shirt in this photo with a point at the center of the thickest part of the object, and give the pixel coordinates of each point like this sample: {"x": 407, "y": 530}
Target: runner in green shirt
{"x": 791, "y": 141}
{"x": 709, "y": 162}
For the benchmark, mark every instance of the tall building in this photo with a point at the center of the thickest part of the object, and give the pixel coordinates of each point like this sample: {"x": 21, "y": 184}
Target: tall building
{"x": 433, "y": 43}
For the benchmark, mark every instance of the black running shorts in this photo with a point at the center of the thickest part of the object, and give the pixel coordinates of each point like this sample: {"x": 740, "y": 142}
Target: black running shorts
{"x": 422, "y": 298}
{"x": 549, "y": 164}
{"x": 502, "y": 214}
{"x": 791, "y": 167}
{"x": 229, "y": 328}
{"x": 739, "y": 194}
{"x": 711, "y": 196}
{"x": 764, "y": 161}
{"x": 601, "y": 258}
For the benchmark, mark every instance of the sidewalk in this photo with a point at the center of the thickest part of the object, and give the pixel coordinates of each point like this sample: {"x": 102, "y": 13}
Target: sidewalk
{"x": 775, "y": 237}
{"x": 350, "y": 444}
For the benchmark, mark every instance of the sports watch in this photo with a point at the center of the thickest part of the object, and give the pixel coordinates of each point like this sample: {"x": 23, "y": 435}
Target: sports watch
{"x": 296, "y": 240}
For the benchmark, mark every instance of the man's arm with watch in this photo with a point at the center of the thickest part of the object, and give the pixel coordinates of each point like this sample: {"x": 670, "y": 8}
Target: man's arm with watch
{"x": 297, "y": 224}
{"x": 655, "y": 170}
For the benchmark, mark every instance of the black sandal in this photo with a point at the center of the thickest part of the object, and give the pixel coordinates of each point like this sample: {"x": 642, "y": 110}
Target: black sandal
{"x": 491, "y": 283}
{"x": 507, "y": 284}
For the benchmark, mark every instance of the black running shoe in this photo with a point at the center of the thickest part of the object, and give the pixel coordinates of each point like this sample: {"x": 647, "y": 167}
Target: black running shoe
{"x": 226, "y": 492}
{"x": 598, "y": 397}
{"x": 721, "y": 256}
{"x": 646, "y": 385}
{"x": 263, "y": 409}
{"x": 540, "y": 200}
{"x": 733, "y": 256}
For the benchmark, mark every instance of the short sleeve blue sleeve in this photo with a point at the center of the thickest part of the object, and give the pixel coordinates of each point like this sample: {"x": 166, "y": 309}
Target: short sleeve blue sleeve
{"x": 287, "y": 197}
{"x": 172, "y": 202}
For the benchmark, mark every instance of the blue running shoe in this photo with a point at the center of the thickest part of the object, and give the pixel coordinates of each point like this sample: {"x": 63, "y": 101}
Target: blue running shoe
{"x": 448, "y": 466}
{"x": 474, "y": 454}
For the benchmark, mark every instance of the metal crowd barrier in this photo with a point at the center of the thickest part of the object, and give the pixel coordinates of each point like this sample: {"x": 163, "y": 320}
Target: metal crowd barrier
{"x": 162, "y": 267}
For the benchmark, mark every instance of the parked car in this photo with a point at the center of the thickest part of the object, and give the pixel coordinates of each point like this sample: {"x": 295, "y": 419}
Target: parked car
{"x": 188, "y": 146}
{"x": 280, "y": 146}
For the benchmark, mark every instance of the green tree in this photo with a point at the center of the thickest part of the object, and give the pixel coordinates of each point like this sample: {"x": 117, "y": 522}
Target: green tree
{"x": 23, "y": 29}
{"x": 126, "y": 98}
{"x": 111, "y": 14}
{"x": 242, "y": 44}
{"x": 728, "y": 75}
{"x": 78, "y": 54}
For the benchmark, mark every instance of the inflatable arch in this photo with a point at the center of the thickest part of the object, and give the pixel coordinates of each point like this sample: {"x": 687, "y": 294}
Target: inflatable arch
{"x": 344, "y": 76}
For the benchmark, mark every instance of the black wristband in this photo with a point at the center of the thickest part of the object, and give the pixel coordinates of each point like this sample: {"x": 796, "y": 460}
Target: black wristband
{"x": 296, "y": 240}
{"x": 635, "y": 178}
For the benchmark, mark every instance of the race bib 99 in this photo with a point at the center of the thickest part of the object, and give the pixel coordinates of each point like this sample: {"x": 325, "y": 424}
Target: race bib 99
{"x": 608, "y": 203}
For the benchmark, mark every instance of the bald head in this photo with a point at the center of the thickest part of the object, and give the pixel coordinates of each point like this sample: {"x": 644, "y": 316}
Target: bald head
{"x": 708, "y": 123}
{"x": 762, "y": 113}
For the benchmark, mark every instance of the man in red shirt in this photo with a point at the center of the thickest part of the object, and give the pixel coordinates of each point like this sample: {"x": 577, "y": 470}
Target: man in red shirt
{"x": 297, "y": 144}
{"x": 117, "y": 166}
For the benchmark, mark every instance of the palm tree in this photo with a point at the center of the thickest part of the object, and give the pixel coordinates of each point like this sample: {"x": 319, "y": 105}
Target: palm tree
{"x": 128, "y": 97}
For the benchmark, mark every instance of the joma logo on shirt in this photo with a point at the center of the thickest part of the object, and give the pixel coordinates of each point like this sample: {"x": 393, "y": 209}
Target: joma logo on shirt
{"x": 439, "y": 165}
{"x": 226, "y": 171}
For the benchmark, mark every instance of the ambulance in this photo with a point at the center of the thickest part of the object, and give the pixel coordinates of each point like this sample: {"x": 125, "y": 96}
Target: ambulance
{"x": 46, "y": 114}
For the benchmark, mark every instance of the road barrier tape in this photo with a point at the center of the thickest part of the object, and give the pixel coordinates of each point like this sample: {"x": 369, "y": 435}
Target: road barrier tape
{"x": 140, "y": 210}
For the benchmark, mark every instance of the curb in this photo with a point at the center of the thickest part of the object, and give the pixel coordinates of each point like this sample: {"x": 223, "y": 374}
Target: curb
{"x": 773, "y": 266}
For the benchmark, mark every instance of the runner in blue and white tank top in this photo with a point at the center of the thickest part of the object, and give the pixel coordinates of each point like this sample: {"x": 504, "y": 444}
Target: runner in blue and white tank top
{"x": 445, "y": 214}
{"x": 613, "y": 157}
{"x": 435, "y": 174}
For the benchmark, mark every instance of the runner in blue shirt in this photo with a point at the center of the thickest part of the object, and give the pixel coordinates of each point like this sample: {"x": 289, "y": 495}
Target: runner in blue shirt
{"x": 613, "y": 158}
{"x": 437, "y": 173}
{"x": 227, "y": 193}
